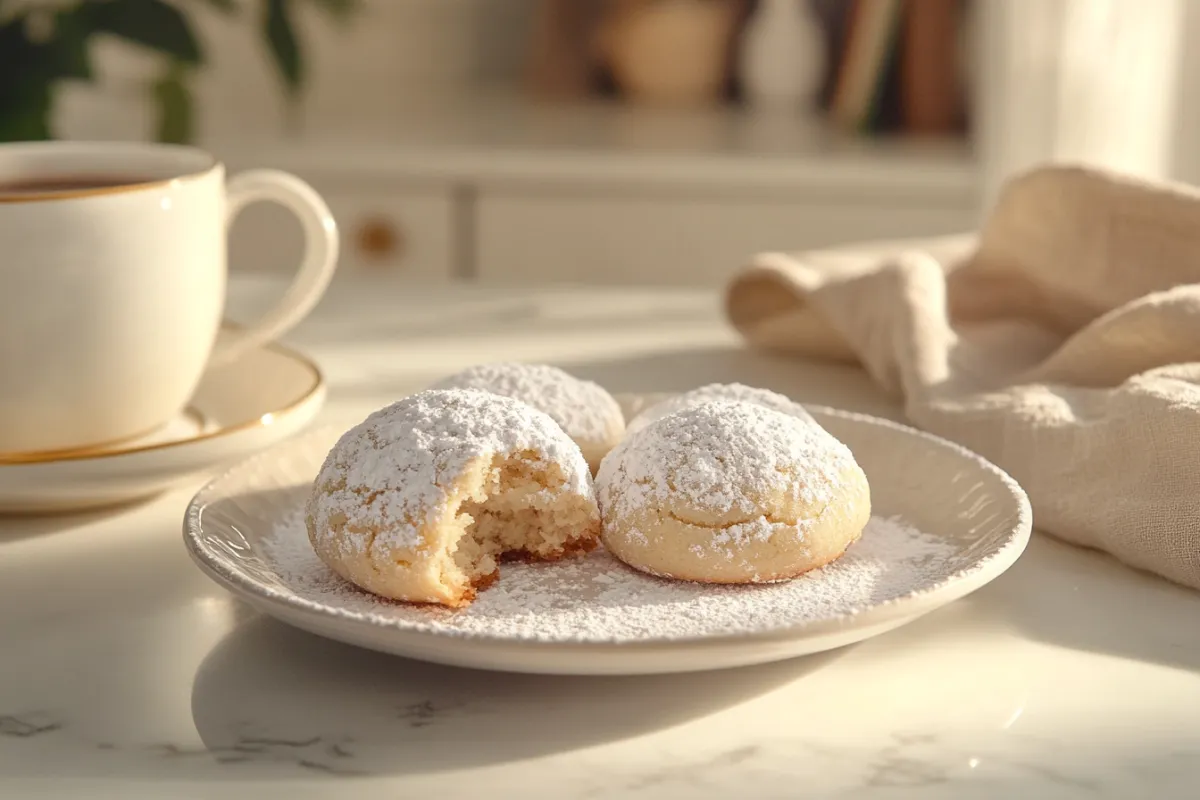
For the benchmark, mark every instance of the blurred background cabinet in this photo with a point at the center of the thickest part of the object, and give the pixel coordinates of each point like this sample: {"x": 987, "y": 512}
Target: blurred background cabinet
{"x": 505, "y": 189}
{"x": 446, "y": 155}
{"x": 399, "y": 229}
{"x": 681, "y": 238}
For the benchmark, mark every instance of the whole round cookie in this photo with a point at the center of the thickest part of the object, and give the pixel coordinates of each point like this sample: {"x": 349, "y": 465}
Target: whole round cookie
{"x": 585, "y": 410}
{"x": 718, "y": 391}
{"x": 731, "y": 492}
{"x": 422, "y": 499}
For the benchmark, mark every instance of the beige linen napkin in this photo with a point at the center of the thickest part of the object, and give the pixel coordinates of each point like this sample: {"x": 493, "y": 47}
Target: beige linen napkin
{"x": 1062, "y": 342}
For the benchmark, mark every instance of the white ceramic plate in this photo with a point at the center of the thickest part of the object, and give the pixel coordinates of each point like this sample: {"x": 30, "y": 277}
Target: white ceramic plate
{"x": 975, "y": 522}
{"x": 262, "y": 397}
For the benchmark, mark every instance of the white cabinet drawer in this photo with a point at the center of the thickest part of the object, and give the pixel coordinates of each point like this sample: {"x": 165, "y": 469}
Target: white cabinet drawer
{"x": 666, "y": 240}
{"x": 408, "y": 233}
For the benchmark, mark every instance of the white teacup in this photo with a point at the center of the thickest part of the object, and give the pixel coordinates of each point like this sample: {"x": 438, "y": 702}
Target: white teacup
{"x": 112, "y": 284}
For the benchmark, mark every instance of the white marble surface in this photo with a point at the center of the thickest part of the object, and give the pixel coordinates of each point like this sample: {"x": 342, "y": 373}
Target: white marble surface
{"x": 124, "y": 673}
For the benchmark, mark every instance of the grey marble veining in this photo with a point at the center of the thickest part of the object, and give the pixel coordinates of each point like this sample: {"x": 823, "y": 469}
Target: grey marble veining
{"x": 28, "y": 724}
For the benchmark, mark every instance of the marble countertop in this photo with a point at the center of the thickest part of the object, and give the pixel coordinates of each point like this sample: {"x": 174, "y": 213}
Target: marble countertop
{"x": 125, "y": 673}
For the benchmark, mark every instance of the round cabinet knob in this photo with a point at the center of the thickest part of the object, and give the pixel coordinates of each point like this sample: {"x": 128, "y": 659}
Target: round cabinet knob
{"x": 379, "y": 239}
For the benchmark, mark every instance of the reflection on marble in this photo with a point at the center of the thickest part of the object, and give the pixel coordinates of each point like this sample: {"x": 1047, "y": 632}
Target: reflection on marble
{"x": 388, "y": 715}
{"x": 269, "y": 702}
{"x": 966, "y": 702}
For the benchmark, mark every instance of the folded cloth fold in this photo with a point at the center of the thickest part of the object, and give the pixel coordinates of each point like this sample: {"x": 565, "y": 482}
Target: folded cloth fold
{"x": 1061, "y": 341}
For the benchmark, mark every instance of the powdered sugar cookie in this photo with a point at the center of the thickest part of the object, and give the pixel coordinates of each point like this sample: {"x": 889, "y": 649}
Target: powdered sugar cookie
{"x": 719, "y": 391}
{"x": 421, "y": 500}
{"x": 585, "y": 410}
{"x": 731, "y": 492}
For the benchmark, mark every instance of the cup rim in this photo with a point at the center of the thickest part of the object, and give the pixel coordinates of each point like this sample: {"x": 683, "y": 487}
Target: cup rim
{"x": 210, "y": 163}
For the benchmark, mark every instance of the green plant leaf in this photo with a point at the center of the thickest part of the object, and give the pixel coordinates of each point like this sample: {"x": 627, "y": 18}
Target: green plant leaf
{"x": 25, "y": 85}
{"x": 174, "y": 99}
{"x": 67, "y": 54}
{"x": 29, "y": 124}
{"x": 25, "y": 113}
{"x": 17, "y": 53}
{"x": 280, "y": 34}
{"x": 152, "y": 23}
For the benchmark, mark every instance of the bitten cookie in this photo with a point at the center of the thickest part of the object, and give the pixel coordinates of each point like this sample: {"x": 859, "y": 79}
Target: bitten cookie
{"x": 585, "y": 410}
{"x": 421, "y": 500}
{"x": 719, "y": 391}
{"x": 731, "y": 492}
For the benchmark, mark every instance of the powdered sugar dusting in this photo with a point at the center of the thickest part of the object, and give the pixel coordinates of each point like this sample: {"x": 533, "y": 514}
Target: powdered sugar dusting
{"x": 722, "y": 458}
{"x": 389, "y": 473}
{"x": 598, "y": 599}
{"x": 585, "y": 410}
{"x": 759, "y": 529}
{"x": 720, "y": 391}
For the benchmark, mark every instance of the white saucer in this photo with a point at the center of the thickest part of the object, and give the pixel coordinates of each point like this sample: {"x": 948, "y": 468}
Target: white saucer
{"x": 241, "y": 407}
{"x": 972, "y": 522}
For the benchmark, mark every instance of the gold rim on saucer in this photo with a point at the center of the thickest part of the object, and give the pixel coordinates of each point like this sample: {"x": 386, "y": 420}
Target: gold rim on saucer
{"x": 108, "y": 450}
{"x": 75, "y": 452}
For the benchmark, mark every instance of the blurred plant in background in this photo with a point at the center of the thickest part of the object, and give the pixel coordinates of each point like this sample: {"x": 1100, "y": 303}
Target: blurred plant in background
{"x": 46, "y": 42}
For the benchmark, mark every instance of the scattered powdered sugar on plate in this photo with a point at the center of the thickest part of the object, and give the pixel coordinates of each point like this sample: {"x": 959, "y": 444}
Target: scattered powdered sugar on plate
{"x": 597, "y": 599}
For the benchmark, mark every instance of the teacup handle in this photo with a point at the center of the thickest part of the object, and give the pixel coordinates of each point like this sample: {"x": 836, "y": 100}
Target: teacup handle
{"x": 316, "y": 268}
